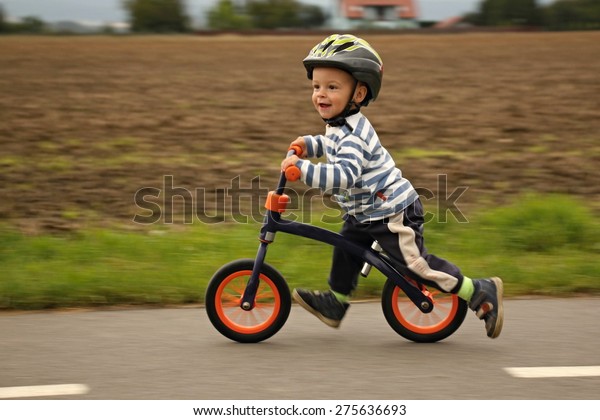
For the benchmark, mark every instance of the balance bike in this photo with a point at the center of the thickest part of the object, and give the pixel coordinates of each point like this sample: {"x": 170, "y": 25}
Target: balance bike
{"x": 248, "y": 300}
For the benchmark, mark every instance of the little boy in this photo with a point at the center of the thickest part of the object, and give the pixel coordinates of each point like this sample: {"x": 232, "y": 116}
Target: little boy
{"x": 379, "y": 204}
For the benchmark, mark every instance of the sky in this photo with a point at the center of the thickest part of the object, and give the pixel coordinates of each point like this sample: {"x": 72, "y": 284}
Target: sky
{"x": 105, "y": 11}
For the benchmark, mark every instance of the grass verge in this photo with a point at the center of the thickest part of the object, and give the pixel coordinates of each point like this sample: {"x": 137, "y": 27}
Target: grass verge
{"x": 546, "y": 245}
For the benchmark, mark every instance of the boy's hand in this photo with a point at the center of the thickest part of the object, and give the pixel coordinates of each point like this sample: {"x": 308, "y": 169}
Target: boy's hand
{"x": 302, "y": 144}
{"x": 289, "y": 161}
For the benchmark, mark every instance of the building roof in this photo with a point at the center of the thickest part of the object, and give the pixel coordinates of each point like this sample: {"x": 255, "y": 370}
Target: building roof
{"x": 354, "y": 9}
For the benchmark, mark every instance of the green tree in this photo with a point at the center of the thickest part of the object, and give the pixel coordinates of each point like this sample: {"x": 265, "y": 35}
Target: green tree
{"x": 32, "y": 25}
{"x": 572, "y": 15}
{"x": 27, "y": 25}
{"x": 265, "y": 14}
{"x": 272, "y": 14}
{"x": 507, "y": 13}
{"x": 3, "y": 24}
{"x": 157, "y": 15}
{"x": 225, "y": 16}
{"x": 312, "y": 16}
{"x": 523, "y": 12}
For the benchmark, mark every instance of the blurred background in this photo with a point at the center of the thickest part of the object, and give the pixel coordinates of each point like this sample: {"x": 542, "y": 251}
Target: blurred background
{"x": 70, "y": 16}
{"x": 138, "y": 139}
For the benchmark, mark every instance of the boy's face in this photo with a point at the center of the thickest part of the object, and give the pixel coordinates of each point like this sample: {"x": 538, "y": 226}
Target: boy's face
{"x": 332, "y": 89}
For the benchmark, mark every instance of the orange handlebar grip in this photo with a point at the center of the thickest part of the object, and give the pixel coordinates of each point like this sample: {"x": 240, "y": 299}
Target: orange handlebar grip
{"x": 297, "y": 149}
{"x": 292, "y": 173}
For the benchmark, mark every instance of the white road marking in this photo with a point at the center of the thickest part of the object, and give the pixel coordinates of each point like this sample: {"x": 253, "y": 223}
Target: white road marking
{"x": 553, "y": 371}
{"x": 43, "y": 391}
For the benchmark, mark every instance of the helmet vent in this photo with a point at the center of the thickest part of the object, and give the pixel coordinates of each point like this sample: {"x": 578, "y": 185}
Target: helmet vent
{"x": 344, "y": 46}
{"x": 324, "y": 47}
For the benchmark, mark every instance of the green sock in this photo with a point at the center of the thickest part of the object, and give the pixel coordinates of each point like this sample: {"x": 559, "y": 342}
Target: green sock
{"x": 341, "y": 297}
{"x": 466, "y": 289}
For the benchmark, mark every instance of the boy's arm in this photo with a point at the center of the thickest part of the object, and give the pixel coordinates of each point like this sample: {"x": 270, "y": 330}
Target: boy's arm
{"x": 313, "y": 145}
{"x": 339, "y": 175}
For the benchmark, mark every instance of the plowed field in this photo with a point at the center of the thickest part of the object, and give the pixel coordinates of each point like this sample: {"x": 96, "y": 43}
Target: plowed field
{"x": 86, "y": 122}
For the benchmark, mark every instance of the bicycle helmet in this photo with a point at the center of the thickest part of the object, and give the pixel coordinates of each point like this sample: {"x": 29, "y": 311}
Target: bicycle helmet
{"x": 352, "y": 54}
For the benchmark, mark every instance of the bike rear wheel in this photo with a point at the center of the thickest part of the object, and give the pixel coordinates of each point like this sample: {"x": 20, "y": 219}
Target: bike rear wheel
{"x": 407, "y": 320}
{"x": 223, "y": 302}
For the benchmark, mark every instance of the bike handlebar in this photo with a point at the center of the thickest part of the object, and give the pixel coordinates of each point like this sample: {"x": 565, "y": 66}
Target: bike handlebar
{"x": 292, "y": 173}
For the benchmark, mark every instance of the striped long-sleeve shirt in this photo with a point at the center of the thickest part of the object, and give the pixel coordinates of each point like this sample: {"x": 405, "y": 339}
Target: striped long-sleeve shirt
{"x": 359, "y": 172}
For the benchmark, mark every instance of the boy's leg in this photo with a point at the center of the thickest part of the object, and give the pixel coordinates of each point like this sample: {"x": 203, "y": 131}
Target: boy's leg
{"x": 331, "y": 306}
{"x": 401, "y": 237}
{"x": 406, "y": 244}
{"x": 345, "y": 267}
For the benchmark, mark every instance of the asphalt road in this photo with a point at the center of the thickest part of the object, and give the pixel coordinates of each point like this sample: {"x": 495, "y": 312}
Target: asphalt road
{"x": 176, "y": 354}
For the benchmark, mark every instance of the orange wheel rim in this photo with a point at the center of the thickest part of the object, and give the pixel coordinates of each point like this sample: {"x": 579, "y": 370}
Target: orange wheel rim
{"x": 406, "y": 312}
{"x": 229, "y": 296}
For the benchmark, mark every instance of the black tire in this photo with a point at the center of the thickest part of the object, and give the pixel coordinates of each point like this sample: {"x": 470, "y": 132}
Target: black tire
{"x": 408, "y": 321}
{"x": 272, "y": 305}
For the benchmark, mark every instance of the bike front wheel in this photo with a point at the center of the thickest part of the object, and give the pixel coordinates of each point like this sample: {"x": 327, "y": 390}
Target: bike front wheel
{"x": 223, "y": 302}
{"x": 407, "y": 320}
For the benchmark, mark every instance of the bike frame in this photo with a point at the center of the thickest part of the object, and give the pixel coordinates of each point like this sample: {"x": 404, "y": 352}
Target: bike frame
{"x": 273, "y": 223}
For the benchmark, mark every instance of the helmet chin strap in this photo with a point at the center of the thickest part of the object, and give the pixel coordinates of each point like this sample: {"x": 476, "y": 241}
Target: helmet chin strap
{"x": 340, "y": 119}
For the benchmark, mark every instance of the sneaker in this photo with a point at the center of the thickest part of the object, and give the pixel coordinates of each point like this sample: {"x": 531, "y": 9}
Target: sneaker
{"x": 324, "y": 305}
{"x": 487, "y": 304}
